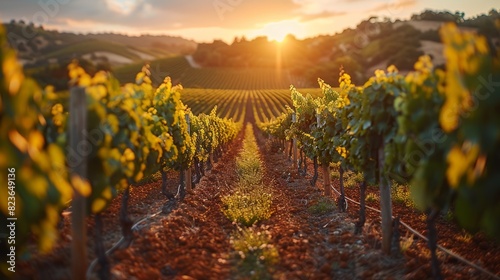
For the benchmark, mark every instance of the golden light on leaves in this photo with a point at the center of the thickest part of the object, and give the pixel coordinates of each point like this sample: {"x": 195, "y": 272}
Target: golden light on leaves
{"x": 18, "y": 140}
{"x": 463, "y": 54}
{"x": 80, "y": 185}
{"x": 459, "y": 161}
{"x": 98, "y": 205}
{"x": 13, "y": 74}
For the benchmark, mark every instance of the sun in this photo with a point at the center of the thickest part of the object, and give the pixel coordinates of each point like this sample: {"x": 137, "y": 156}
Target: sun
{"x": 277, "y": 31}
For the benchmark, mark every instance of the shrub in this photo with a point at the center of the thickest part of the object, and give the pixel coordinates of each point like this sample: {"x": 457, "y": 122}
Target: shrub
{"x": 322, "y": 206}
{"x": 371, "y": 197}
{"x": 255, "y": 252}
{"x": 247, "y": 207}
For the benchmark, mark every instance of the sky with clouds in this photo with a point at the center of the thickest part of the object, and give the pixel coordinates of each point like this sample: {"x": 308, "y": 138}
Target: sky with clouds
{"x": 205, "y": 20}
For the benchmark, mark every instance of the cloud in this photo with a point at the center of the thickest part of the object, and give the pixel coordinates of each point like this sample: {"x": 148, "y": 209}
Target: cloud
{"x": 152, "y": 14}
{"x": 394, "y": 7}
{"x": 324, "y": 14}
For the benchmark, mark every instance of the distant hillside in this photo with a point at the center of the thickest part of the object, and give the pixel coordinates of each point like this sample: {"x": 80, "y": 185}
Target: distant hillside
{"x": 46, "y": 53}
{"x": 39, "y": 47}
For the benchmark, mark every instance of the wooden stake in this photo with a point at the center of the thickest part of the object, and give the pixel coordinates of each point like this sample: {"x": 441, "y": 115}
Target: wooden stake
{"x": 188, "y": 180}
{"x": 385, "y": 205}
{"x": 326, "y": 179}
{"x": 294, "y": 153}
{"x": 77, "y": 126}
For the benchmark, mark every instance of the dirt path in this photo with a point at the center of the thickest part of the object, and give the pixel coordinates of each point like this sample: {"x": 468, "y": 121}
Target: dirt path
{"x": 318, "y": 246}
{"x": 193, "y": 241}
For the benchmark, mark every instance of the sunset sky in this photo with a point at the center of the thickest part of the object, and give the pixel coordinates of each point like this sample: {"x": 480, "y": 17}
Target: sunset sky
{"x": 205, "y": 20}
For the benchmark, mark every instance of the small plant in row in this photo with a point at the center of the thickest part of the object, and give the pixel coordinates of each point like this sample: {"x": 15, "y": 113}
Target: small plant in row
{"x": 323, "y": 206}
{"x": 254, "y": 252}
{"x": 246, "y": 206}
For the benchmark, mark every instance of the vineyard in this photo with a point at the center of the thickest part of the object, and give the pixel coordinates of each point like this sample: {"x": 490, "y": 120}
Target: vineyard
{"x": 263, "y": 105}
{"x": 179, "y": 70}
{"x": 230, "y": 175}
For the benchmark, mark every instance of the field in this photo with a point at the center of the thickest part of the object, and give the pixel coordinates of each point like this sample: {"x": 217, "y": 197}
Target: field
{"x": 180, "y": 71}
{"x": 262, "y": 105}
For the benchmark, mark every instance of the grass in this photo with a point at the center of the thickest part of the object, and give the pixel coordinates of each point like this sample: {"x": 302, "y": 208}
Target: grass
{"x": 251, "y": 201}
{"x": 323, "y": 206}
{"x": 465, "y": 237}
{"x": 248, "y": 204}
{"x": 371, "y": 197}
{"x": 249, "y": 169}
{"x": 449, "y": 216}
{"x": 406, "y": 243}
{"x": 254, "y": 252}
{"x": 247, "y": 208}
{"x": 351, "y": 179}
{"x": 401, "y": 194}
{"x": 150, "y": 179}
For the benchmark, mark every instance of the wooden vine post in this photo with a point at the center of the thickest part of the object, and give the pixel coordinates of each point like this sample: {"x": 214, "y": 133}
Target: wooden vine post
{"x": 188, "y": 170}
{"x": 325, "y": 166}
{"x": 385, "y": 204}
{"x": 78, "y": 166}
{"x": 294, "y": 120}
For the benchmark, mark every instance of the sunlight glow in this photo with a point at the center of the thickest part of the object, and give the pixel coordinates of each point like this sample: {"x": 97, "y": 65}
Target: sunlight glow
{"x": 277, "y": 31}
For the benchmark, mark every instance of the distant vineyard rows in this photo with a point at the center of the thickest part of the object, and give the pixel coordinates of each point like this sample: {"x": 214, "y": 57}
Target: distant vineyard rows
{"x": 264, "y": 104}
{"x": 181, "y": 72}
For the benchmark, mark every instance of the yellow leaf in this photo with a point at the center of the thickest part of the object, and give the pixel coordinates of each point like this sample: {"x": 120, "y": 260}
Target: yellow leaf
{"x": 100, "y": 78}
{"x": 57, "y": 158}
{"x": 459, "y": 162}
{"x": 113, "y": 122}
{"x": 85, "y": 80}
{"x": 98, "y": 205}
{"x": 57, "y": 109}
{"x": 448, "y": 116}
{"x": 129, "y": 154}
{"x": 36, "y": 140}
{"x": 37, "y": 186}
{"x": 13, "y": 74}
{"x": 18, "y": 140}
{"x": 107, "y": 193}
{"x": 81, "y": 185}
{"x": 139, "y": 176}
{"x": 42, "y": 120}
{"x": 139, "y": 77}
{"x": 62, "y": 185}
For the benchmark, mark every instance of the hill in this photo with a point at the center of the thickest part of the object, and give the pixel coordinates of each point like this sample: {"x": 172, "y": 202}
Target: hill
{"x": 37, "y": 46}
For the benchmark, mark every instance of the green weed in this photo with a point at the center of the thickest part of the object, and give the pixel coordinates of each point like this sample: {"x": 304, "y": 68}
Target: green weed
{"x": 322, "y": 206}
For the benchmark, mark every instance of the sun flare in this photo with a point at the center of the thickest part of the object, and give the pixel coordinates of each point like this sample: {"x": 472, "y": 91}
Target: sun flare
{"x": 277, "y": 31}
